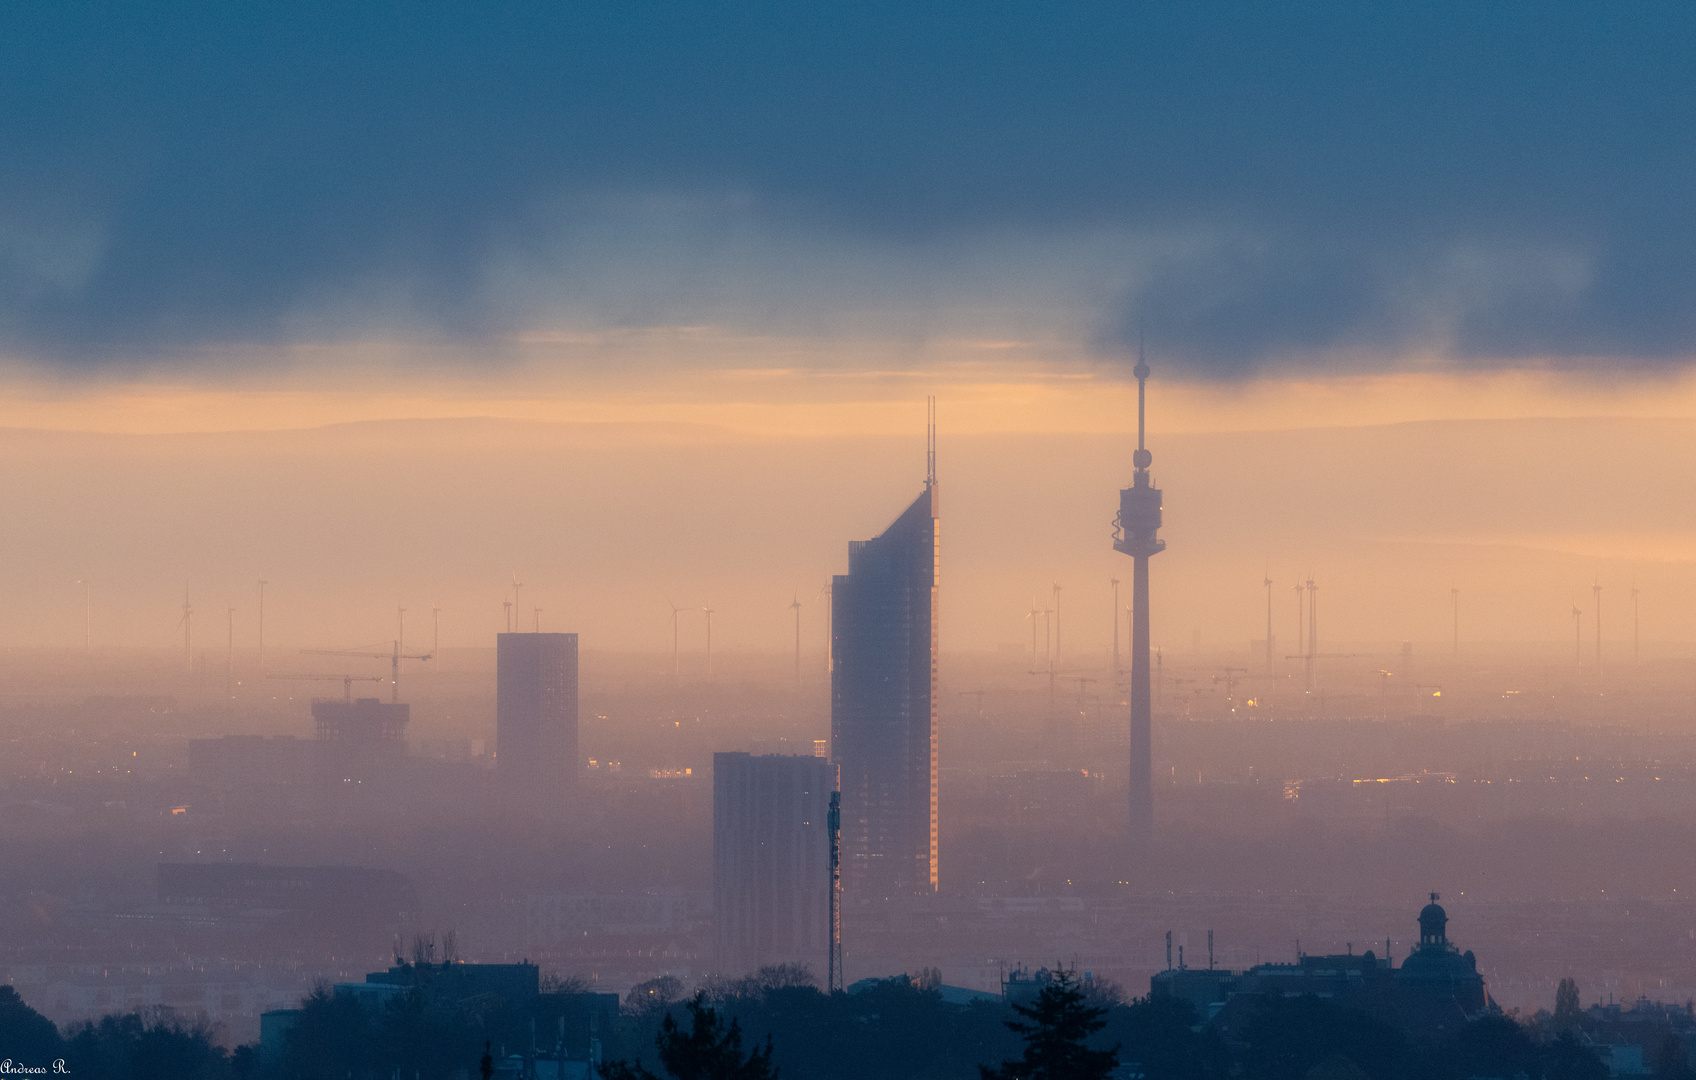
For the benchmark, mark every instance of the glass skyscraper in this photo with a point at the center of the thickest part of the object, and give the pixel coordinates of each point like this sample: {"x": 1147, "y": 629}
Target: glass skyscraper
{"x": 883, "y": 705}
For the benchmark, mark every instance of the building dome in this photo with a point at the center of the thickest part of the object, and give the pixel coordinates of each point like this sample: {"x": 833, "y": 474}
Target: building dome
{"x": 1432, "y": 920}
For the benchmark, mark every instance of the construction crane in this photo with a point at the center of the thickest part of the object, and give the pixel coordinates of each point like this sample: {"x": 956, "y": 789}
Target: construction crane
{"x": 1229, "y": 678}
{"x": 347, "y": 680}
{"x": 1083, "y": 688}
{"x": 394, "y": 657}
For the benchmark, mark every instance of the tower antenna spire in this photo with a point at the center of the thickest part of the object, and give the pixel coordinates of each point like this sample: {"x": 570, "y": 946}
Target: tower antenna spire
{"x": 1141, "y": 373}
{"x": 930, "y": 441}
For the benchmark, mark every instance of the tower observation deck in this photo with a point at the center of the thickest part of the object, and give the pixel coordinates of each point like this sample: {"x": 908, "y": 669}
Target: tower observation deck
{"x": 1134, "y": 534}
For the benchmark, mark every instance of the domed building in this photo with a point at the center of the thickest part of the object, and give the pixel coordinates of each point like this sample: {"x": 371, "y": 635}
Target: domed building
{"x": 1438, "y": 982}
{"x": 1434, "y": 992}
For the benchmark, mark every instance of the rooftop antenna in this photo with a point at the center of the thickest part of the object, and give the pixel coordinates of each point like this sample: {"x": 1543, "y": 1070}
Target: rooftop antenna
{"x": 795, "y": 605}
{"x": 87, "y": 616}
{"x": 262, "y": 584}
{"x": 709, "y": 612}
{"x": 187, "y": 623}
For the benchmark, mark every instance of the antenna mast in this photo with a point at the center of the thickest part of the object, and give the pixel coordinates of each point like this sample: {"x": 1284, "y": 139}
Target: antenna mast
{"x": 833, "y": 976}
{"x": 930, "y": 441}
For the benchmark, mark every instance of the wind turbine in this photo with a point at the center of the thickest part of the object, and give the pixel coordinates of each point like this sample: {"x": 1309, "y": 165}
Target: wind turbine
{"x": 1636, "y": 639}
{"x": 1268, "y": 583}
{"x": 87, "y": 620}
{"x": 187, "y": 623}
{"x": 435, "y": 629}
{"x": 1057, "y": 624}
{"x": 1454, "y": 599}
{"x": 1115, "y": 583}
{"x": 674, "y": 610}
{"x": 825, "y": 591}
{"x": 1301, "y": 614}
{"x": 709, "y": 612}
{"x": 262, "y": 584}
{"x": 400, "y": 628}
{"x": 538, "y": 620}
{"x": 795, "y": 605}
{"x": 1032, "y": 616}
{"x": 1596, "y": 591}
{"x": 230, "y": 657}
{"x": 516, "y": 585}
{"x": 1577, "y": 637}
{"x": 507, "y": 604}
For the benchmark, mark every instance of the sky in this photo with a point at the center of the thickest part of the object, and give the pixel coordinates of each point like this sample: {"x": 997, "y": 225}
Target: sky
{"x": 782, "y": 226}
{"x": 1246, "y": 187}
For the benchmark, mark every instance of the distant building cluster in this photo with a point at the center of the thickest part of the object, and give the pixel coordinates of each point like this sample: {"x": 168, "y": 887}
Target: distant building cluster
{"x": 1434, "y": 992}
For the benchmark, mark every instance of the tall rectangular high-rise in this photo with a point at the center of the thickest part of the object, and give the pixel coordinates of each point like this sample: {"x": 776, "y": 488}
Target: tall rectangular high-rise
{"x": 536, "y": 715}
{"x": 883, "y": 704}
{"x": 771, "y": 861}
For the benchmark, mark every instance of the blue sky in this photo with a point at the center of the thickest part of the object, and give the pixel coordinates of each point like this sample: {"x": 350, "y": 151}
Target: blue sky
{"x": 1254, "y": 186}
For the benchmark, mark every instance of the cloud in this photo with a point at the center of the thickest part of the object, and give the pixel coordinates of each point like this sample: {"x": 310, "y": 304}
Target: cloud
{"x": 1254, "y": 187}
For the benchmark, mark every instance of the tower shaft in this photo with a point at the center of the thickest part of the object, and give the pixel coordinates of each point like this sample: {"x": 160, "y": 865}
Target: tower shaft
{"x": 1142, "y": 711}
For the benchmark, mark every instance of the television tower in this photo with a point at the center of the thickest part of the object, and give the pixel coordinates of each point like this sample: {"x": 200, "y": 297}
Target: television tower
{"x": 1134, "y": 535}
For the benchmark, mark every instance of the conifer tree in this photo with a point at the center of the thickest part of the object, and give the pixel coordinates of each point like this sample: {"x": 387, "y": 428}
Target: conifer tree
{"x": 1056, "y": 1032}
{"x": 707, "y": 1051}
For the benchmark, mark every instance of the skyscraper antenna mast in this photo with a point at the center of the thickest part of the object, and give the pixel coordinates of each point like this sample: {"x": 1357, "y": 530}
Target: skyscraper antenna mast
{"x": 930, "y": 441}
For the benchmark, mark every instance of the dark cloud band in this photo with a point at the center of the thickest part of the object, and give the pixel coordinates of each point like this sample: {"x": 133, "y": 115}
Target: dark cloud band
{"x": 1487, "y": 181}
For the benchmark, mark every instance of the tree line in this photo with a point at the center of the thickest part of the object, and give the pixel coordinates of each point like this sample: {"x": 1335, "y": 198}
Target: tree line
{"x": 779, "y": 1024}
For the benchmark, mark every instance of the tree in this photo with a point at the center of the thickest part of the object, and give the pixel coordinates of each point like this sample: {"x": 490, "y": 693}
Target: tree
{"x": 1056, "y": 1033}
{"x": 1491, "y": 1045}
{"x": 137, "y": 1047}
{"x": 30, "y": 1037}
{"x": 1568, "y": 1059}
{"x": 1669, "y": 1060}
{"x": 1566, "y": 1005}
{"x": 655, "y": 994}
{"x": 707, "y": 1051}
